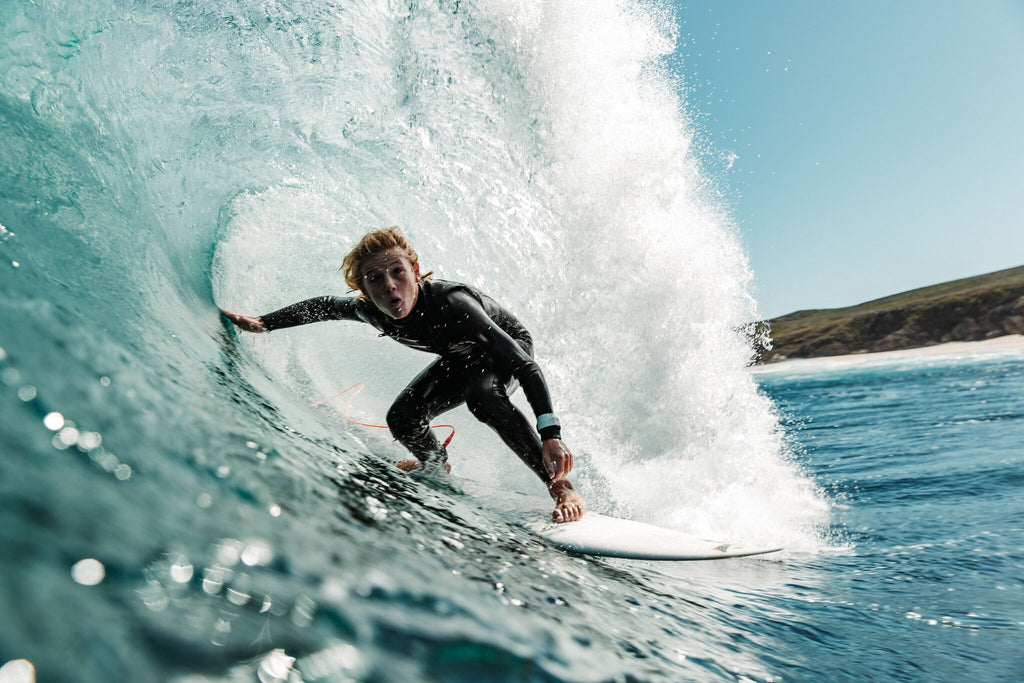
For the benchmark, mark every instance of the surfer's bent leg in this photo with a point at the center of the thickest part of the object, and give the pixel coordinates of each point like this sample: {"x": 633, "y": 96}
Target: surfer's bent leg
{"x": 487, "y": 398}
{"x": 437, "y": 389}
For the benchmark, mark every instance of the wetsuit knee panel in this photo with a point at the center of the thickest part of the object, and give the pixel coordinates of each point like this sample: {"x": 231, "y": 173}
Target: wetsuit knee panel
{"x": 404, "y": 417}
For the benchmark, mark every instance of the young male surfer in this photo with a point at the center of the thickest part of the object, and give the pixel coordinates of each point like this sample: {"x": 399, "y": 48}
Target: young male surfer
{"x": 482, "y": 351}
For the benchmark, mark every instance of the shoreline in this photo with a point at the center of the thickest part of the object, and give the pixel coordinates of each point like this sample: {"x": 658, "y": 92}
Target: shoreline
{"x": 1005, "y": 343}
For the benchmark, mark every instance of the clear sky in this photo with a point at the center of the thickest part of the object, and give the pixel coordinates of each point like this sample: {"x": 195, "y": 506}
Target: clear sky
{"x": 863, "y": 148}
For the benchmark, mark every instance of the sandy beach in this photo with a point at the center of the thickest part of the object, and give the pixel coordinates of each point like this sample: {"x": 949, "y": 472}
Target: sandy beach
{"x": 1006, "y": 344}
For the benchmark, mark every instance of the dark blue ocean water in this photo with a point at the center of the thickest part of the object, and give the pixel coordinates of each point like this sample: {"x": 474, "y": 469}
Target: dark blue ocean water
{"x": 923, "y": 459}
{"x": 175, "y": 509}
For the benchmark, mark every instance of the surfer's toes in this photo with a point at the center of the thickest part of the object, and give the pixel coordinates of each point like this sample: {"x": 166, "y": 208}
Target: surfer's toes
{"x": 567, "y": 512}
{"x": 568, "y": 504}
{"x": 412, "y": 464}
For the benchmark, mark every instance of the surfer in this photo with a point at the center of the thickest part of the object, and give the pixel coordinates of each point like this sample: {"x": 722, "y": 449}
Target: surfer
{"x": 483, "y": 353}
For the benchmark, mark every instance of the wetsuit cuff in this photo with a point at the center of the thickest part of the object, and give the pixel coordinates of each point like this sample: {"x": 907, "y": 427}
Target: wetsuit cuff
{"x": 550, "y": 433}
{"x": 549, "y": 426}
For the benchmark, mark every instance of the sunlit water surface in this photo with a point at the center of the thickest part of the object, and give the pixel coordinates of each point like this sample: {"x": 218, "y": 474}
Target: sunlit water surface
{"x": 175, "y": 509}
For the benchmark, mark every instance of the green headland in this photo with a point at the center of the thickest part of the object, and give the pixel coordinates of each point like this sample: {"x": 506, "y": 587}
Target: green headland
{"x": 971, "y": 309}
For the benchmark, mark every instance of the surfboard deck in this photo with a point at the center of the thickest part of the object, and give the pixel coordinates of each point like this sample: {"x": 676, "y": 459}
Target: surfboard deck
{"x": 597, "y": 534}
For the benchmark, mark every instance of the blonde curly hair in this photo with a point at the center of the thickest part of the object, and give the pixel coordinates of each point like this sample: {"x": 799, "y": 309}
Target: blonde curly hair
{"x": 375, "y": 242}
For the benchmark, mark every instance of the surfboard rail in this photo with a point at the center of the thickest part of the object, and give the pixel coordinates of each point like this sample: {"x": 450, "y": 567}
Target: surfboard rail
{"x": 597, "y": 534}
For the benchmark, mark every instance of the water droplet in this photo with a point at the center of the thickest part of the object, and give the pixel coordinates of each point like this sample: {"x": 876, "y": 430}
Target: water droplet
{"x": 228, "y": 551}
{"x": 18, "y": 671}
{"x": 89, "y": 440}
{"x": 53, "y": 421}
{"x": 105, "y": 381}
{"x": 334, "y": 590}
{"x": 27, "y": 393}
{"x": 214, "y": 578}
{"x": 275, "y": 666}
{"x": 237, "y": 596}
{"x": 123, "y": 472}
{"x": 337, "y": 659}
{"x": 257, "y": 552}
{"x": 204, "y": 500}
{"x": 104, "y": 459}
{"x": 181, "y": 570}
{"x": 275, "y": 510}
{"x": 88, "y": 572}
{"x": 221, "y": 631}
{"x": 68, "y": 436}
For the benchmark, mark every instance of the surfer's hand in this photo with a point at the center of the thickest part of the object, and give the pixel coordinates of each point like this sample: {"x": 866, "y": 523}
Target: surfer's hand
{"x": 557, "y": 459}
{"x": 247, "y": 323}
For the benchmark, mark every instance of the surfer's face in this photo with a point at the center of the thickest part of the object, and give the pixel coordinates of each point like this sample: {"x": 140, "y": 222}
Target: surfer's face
{"x": 391, "y": 282}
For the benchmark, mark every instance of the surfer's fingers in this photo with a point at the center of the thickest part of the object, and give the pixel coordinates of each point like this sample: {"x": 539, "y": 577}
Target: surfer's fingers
{"x": 564, "y": 463}
{"x": 552, "y": 462}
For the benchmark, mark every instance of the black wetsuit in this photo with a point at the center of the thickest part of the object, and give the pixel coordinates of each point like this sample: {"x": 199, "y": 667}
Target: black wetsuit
{"x": 482, "y": 349}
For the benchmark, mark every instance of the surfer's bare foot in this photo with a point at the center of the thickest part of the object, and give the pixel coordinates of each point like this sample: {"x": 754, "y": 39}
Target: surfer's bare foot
{"x": 414, "y": 464}
{"x": 569, "y": 505}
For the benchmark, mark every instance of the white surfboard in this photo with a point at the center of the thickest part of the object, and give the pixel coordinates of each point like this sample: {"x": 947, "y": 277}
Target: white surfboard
{"x": 596, "y": 534}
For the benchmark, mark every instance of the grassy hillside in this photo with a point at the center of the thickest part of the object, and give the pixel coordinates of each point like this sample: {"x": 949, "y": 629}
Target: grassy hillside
{"x": 970, "y": 309}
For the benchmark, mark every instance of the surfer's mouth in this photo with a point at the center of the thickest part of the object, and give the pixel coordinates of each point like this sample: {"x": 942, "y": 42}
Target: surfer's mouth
{"x": 397, "y": 307}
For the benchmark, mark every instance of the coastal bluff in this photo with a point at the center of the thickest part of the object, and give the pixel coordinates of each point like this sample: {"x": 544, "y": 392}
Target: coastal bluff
{"x": 971, "y": 309}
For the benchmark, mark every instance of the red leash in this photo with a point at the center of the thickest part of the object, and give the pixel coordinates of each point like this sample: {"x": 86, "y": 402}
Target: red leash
{"x": 367, "y": 424}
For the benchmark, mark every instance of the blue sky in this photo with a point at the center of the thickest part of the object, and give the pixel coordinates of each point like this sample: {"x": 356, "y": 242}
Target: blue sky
{"x": 862, "y": 148}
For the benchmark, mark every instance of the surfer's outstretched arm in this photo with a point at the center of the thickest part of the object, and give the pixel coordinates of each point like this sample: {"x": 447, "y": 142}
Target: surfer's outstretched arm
{"x": 304, "y": 312}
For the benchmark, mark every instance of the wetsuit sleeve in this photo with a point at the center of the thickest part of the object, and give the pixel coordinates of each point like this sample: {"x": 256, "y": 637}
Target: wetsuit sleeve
{"x": 474, "y": 322}
{"x": 313, "y": 311}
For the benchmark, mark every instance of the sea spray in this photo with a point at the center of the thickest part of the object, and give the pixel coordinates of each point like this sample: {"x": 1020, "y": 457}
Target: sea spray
{"x": 549, "y": 163}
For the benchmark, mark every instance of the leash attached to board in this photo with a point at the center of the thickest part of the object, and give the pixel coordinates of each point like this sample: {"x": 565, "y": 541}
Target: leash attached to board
{"x": 361, "y": 386}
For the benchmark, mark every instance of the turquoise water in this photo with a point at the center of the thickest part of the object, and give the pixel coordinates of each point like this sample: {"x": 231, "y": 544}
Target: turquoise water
{"x": 175, "y": 508}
